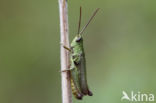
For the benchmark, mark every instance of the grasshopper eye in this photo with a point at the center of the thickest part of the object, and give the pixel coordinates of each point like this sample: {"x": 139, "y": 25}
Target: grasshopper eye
{"x": 78, "y": 39}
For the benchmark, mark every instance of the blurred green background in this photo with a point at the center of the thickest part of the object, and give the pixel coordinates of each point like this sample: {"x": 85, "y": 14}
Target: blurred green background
{"x": 120, "y": 46}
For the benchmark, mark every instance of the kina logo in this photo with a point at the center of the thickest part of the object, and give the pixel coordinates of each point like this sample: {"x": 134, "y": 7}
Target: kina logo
{"x": 138, "y": 96}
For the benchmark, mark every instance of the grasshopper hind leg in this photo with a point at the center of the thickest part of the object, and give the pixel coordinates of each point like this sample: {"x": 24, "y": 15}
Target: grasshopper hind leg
{"x": 87, "y": 92}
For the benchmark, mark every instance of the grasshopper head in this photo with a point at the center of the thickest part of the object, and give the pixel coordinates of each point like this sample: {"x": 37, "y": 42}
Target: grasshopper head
{"x": 78, "y": 40}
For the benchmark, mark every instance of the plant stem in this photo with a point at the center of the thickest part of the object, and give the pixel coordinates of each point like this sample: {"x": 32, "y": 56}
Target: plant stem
{"x": 64, "y": 39}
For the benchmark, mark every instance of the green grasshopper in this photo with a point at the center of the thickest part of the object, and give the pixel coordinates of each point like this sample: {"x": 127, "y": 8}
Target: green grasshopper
{"x": 78, "y": 63}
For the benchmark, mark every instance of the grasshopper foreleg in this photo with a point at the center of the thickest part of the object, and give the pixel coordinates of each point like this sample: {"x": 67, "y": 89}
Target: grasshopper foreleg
{"x": 69, "y": 69}
{"x": 65, "y": 47}
{"x": 65, "y": 70}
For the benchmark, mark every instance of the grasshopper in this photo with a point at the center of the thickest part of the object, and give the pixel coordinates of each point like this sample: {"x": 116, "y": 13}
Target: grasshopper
{"x": 78, "y": 63}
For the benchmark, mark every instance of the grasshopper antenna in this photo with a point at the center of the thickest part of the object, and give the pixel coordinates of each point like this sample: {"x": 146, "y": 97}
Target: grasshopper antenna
{"x": 90, "y": 20}
{"x": 79, "y": 21}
